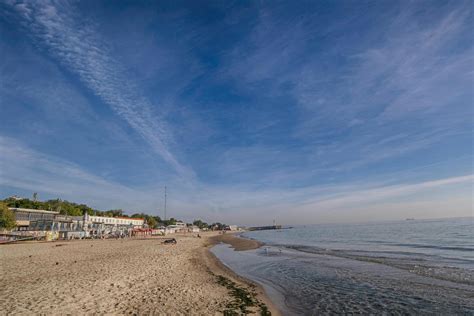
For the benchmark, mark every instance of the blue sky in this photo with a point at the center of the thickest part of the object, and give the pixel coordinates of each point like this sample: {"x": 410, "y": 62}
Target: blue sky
{"x": 303, "y": 112}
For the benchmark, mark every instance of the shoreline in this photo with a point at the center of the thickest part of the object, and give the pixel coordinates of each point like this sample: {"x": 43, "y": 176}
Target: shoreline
{"x": 239, "y": 244}
{"x": 236, "y": 242}
{"x": 341, "y": 281}
{"x": 131, "y": 276}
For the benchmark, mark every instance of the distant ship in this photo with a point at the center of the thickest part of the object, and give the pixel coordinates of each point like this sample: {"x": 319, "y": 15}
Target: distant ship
{"x": 410, "y": 219}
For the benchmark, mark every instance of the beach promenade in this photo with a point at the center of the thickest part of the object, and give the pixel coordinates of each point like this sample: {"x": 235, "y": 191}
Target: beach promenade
{"x": 127, "y": 276}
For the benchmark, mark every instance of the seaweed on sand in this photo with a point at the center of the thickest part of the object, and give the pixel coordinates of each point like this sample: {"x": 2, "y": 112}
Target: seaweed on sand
{"x": 243, "y": 298}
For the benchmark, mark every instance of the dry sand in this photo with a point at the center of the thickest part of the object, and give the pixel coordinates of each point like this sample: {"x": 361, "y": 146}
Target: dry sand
{"x": 119, "y": 277}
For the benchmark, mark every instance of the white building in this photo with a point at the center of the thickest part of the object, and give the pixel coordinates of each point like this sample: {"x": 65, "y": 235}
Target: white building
{"x": 102, "y": 225}
{"x": 180, "y": 224}
{"x": 32, "y": 220}
{"x": 178, "y": 227}
{"x": 169, "y": 230}
{"x": 29, "y": 221}
{"x": 194, "y": 229}
{"x": 116, "y": 221}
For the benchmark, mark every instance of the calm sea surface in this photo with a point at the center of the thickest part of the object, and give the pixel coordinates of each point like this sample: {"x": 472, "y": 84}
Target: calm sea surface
{"x": 405, "y": 267}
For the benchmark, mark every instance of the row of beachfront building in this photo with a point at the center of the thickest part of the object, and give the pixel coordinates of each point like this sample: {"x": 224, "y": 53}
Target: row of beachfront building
{"x": 52, "y": 225}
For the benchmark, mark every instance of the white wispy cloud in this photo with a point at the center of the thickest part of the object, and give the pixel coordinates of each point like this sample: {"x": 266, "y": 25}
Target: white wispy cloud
{"x": 386, "y": 192}
{"x": 23, "y": 169}
{"x": 76, "y": 43}
{"x": 345, "y": 202}
{"x": 416, "y": 69}
{"x": 410, "y": 76}
{"x": 33, "y": 171}
{"x": 400, "y": 88}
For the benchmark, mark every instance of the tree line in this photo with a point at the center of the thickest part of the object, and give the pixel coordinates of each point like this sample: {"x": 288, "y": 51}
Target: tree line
{"x": 74, "y": 209}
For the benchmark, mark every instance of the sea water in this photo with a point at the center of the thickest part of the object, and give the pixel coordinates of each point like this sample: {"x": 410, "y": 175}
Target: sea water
{"x": 406, "y": 267}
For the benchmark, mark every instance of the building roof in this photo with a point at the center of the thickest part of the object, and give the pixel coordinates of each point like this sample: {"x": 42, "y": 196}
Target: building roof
{"x": 30, "y": 210}
{"x": 137, "y": 218}
{"x": 119, "y": 217}
{"x": 16, "y": 197}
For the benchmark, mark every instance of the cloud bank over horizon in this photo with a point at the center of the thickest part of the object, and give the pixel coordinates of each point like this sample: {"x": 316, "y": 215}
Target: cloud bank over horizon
{"x": 300, "y": 112}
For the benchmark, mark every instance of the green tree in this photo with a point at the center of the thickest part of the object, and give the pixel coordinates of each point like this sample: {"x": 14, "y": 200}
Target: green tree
{"x": 151, "y": 221}
{"x": 158, "y": 220}
{"x": 171, "y": 221}
{"x": 7, "y": 217}
{"x": 69, "y": 208}
{"x": 199, "y": 223}
{"x": 116, "y": 213}
{"x": 218, "y": 226}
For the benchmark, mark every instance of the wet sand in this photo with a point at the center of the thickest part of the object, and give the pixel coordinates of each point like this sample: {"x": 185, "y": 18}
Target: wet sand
{"x": 236, "y": 242}
{"x": 118, "y": 277}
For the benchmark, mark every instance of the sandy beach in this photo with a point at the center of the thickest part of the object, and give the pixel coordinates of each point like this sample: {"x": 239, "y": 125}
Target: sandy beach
{"x": 127, "y": 276}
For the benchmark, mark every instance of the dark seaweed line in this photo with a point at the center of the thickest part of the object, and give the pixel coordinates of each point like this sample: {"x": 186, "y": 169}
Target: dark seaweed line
{"x": 242, "y": 298}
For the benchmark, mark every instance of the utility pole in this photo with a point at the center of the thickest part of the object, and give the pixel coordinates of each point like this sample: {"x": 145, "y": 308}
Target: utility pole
{"x": 165, "y": 202}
